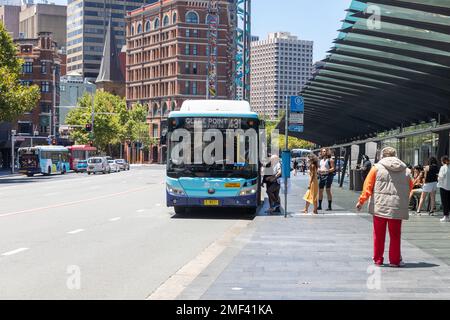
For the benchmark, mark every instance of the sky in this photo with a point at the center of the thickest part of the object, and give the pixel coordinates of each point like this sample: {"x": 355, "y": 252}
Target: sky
{"x": 316, "y": 20}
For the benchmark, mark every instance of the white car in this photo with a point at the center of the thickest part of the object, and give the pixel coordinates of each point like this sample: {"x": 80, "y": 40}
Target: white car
{"x": 114, "y": 166}
{"x": 98, "y": 164}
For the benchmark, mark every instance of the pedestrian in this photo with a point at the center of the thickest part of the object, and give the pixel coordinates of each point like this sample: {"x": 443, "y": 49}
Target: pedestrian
{"x": 418, "y": 177}
{"x": 311, "y": 196}
{"x": 366, "y": 166}
{"x": 273, "y": 191}
{"x": 295, "y": 166}
{"x": 387, "y": 188}
{"x": 444, "y": 186}
{"x": 430, "y": 186}
{"x": 326, "y": 172}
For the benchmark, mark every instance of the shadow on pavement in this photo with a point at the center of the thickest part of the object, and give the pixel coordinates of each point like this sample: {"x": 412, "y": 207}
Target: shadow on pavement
{"x": 24, "y": 180}
{"x": 216, "y": 214}
{"x": 420, "y": 265}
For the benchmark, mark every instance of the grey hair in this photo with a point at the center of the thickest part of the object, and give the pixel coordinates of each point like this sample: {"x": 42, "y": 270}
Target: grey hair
{"x": 388, "y": 152}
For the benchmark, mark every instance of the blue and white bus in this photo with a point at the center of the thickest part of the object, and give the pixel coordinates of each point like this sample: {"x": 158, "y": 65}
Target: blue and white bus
{"x": 233, "y": 178}
{"x": 43, "y": 159}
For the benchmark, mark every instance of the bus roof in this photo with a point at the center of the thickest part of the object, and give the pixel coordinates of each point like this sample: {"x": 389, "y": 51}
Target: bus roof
{"x": 216, "y": 108}
{"x": 85, "y": 147}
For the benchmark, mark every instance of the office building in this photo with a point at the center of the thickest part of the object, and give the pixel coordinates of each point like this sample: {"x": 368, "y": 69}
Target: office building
{"x": 9, "y": 16}
{"x": 280, "y": 67}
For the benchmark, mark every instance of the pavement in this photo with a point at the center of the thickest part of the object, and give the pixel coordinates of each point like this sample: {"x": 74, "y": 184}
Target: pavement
{"x": 325, "y": 257}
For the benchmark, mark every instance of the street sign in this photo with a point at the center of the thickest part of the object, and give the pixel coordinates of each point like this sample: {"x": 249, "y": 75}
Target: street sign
{"x": 297, "y": 104}
{"x": 296, "y": 118}
{"x": 296, "y": 128}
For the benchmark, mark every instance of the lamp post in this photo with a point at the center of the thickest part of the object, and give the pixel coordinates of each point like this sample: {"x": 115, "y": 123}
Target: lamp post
{"x": 13, "y": 136}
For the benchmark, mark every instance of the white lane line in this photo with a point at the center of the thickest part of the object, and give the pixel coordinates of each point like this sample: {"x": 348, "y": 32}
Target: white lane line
{"x": 10, "y": 253}
{"x": 140, "y": 210}
{"x": 75, "y": 231}
{"x": 115, "y": 219}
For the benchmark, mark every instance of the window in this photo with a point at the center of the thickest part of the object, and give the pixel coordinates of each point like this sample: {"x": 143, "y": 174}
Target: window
{"x": 45, "y": 86}
{"x": 187, "y": 49}
{"x": 188, "y": 33}
{"x": 147, "y": 26}
{"x": 27, "y": 67}
{"x": 166, "y": 21}
{"x": 186, "y": 68}
{"x": 155, "y": 131}
{"x": 194, "y": 49}
{"x": 157, "y": 23}
{"x": 195, "y": 33}
{"x": 209, "y": 19}
{"x": 174, "y": 18}
{"x": 132, "y": 30}
{"x": 192, "y": 17}
{"x": 194, "y": 68}
{"x": 186, "y": 87}
{"x": 139, "y": 28}
{"x": 194, "y": 88}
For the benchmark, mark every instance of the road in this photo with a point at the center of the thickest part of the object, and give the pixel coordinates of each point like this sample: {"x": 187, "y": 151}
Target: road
{"x": 97, "y": 237}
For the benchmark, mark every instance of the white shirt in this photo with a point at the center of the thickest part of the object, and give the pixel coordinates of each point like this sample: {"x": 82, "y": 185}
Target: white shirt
{"x": 444, "y": 178}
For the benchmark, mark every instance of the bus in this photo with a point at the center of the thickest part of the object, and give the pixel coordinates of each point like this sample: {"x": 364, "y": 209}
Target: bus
{"x": 43, "y": 159}
{"x": 79, "y": 152}
{"x": 233, "y": 178}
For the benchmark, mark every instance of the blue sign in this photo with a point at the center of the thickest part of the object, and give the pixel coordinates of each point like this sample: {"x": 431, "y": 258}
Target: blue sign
{"x": 286, "y": 164}
{"x": 296, "y": 128}
{"x": 297, "y": 104}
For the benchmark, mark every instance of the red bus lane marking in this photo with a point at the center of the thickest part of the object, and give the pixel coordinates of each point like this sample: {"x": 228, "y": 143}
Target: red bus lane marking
{"x": 66, "y": 204}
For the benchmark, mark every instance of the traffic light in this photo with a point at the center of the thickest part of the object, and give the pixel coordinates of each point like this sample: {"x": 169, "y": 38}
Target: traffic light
{"x": 88, "y": 127}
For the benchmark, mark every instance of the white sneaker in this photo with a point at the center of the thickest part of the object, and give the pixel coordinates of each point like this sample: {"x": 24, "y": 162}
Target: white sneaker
{"x": 445, "y": 219}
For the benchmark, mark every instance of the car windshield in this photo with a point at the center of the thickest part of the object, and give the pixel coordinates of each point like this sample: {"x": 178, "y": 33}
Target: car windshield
{"x": 110, "y": 161}
{"x": 95, "y": 160}
{"x": 120, "y": 161}
{"x": 82, "y": 161}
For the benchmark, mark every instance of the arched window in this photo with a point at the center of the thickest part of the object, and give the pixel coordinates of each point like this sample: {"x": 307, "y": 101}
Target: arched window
{"x": 155, "y": 110}
{"x": 147, "y": 26}
{"x": 132, "y": 31}
{"x": 174, "y": 18}
{"x": 208, "y": 18}
{"x": 139, "y": 28}
{"x": 192, "y": 17}
{"x": 165, "y": 109}
{"x": 166, "y": 21}
{"x": 157, "y": 23}
{"x": 173, "y": 106}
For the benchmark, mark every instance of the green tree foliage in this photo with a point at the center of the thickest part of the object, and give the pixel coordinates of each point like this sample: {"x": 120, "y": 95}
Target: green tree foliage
{"x": 15, "y": 99}
{"x": 293, "y": 143}
{"x": 113, "y": 124}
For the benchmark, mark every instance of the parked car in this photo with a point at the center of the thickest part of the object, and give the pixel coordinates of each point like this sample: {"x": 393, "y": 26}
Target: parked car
{"x": 123, "y": 164}
{"x": 98, "y": 164}
{"x": 114, "y": 166}
{"x": 81, "y": 166}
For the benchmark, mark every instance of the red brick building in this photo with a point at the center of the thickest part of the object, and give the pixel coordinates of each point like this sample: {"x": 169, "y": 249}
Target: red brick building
{"x": 167, "y": 59}
{"x": 41, "y": 58}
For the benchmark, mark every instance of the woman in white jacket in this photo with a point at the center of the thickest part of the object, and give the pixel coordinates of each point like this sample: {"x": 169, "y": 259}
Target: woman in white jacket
{"x": 444, "y": 185}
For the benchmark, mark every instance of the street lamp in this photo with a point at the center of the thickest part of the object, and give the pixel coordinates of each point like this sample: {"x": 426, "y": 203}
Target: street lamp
{"x": 13, "y": 136}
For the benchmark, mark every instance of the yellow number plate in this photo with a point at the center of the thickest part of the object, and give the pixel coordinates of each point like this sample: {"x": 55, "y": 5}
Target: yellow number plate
{"x": 211, "y": 202}
{"x": 232, "y": 185}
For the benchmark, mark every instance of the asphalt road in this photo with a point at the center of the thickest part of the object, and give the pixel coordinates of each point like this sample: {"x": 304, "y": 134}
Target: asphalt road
{"x": 97, "y": 237}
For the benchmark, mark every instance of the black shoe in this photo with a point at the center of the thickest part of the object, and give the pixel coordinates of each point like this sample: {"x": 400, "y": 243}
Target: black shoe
{"x": 329, "y": 209}
{"x": 319, "y": 208}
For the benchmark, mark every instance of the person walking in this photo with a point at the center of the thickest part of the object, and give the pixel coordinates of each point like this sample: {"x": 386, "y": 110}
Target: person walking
{"x": 273, "y": 190}
{"x": 387, "y": 188}
{"x": 311, "y": 196}
{"x": 430, "y": 186}
{"x": 326, "y": 174}
{"x": 444, "y": 186}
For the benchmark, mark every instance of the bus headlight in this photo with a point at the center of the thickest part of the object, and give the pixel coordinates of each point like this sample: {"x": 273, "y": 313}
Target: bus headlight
{"x": 175, "y": 191}
{"x": 249, "y": 191}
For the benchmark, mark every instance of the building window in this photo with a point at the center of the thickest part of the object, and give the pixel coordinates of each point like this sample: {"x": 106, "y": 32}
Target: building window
{"x": 174, "y": 18}
{"x": 27, "y": 67}
{"x": 45, "y": 86}
{"x": 195, "y": 33}
{"x": 194, "y": 68}
{"x": 186, "y": 87}
{"x": 43, "y": 67}
{"x": 187, "y": 49}
{"x": 155, "y": 131}
{"x": 147, "y": 26}
{"x": 192, "y": 17}
{"x": 157, "y": 23}
{"x": 166, "y": 21}
{"x": 194, "y": 49}
{"x": 188, "y": 33}
{"x": 186, "y": 68}
{"x": 194, "y": 88}
{"x": 132, "y": 30}
{"x": 139, "y": 28}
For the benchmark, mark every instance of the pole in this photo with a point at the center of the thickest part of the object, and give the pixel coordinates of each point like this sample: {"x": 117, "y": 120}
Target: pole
{"x": 286, "y": 128}
{"x": 13, "y": 136}
{"x": 92, "y": 113}
{"x": 54, "y": 103}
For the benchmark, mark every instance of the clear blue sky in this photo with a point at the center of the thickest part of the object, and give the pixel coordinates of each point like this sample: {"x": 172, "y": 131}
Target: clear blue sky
{"x": 316, "y": 20}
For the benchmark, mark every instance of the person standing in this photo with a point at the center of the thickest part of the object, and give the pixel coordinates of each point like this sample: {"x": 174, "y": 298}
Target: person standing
{"x": 326, "y": 172}
{"x": 444, "y": 186}
{"x": 430, "y": 186}
{"x": 366, "y": 166}
{"x": 311, "y": 196}
{"x": 273, "y": 190}
{"x": 387, "y": 188}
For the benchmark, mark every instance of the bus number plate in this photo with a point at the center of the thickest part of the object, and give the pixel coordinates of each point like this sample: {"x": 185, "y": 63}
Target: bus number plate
{"x": 211, "y": 202}
{"x": 232, "y": 185}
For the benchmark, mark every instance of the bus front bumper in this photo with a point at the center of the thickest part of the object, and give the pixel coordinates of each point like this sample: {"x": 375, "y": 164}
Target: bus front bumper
{"x": 229, "y": 202}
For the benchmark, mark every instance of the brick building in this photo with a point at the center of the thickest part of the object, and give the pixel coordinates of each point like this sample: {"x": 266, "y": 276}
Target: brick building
{"x": 167, "y": 59}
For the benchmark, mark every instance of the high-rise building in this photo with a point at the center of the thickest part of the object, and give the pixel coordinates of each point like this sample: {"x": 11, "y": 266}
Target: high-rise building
{"x": 280, "y": 67}
{"x": 167, "y": 59}
{"x": 41, "y": 17}
{"x": 9, "y": 16}
{"x": 87, "y": 22}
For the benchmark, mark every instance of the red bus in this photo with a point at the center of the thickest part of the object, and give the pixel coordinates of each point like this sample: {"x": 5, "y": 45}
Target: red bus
{"x": 79, "y": 152}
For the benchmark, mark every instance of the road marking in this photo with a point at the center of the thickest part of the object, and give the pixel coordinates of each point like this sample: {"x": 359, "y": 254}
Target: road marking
{"x": 140, "y": 210}
{"x": 115, "y": 219}
{"x": 75, "y": 231}
{"x": 176, "y": 284}
{"x": 66, "y": 204}
{"x": 10, "y": 253}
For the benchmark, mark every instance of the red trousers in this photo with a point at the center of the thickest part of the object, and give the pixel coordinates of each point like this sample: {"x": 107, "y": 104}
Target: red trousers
{"x": 379, "y": 238}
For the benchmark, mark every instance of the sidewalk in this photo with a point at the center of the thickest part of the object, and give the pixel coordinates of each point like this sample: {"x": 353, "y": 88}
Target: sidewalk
{"x": 326, "y": 257}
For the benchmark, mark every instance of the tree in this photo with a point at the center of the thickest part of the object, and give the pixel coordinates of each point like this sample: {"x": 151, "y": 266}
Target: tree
{"x": 15, "y": 99}
{"x": 293, "y": 143}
